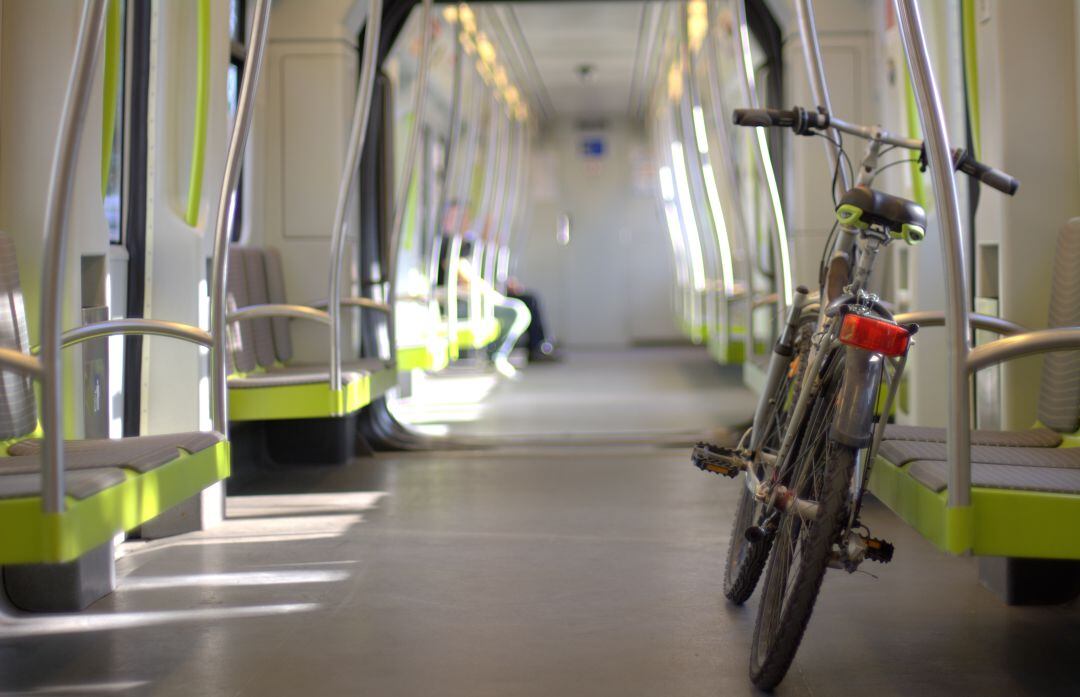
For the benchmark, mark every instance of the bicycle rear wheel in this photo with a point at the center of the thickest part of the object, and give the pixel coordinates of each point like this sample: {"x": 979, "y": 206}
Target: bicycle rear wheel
{"x": 822, "y": 473}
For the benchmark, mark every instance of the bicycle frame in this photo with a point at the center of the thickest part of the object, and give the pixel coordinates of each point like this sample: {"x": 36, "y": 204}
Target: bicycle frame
{"x": 866, "y": 374}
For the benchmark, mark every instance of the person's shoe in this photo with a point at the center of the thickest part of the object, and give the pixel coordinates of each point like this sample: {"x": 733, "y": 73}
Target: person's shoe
{"x": 545, "y": 354}
{"x": 505, "y": 368}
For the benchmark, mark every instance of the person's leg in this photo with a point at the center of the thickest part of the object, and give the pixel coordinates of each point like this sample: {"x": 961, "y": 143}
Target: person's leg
{"x": 536, "y": 334}
{"x": 521, "y": 319}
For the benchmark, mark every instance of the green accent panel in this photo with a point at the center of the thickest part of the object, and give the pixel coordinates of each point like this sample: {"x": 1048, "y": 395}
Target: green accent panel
{"x": 999, "y": 522}
{"x": 313, "y": 401}
{"x": 478, "y": 333}
{"x": 111, "y": 89}
{"x": 415, "y": 358}
{"x": 851, "y": 216}
{"x": 202, "y": 114}
{"x": 86, "y": 524}
{"x": 971, "y": 73}
{"x": 912, "y": 234}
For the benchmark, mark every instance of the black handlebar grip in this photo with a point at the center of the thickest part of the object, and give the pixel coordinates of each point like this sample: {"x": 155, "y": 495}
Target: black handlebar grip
{"x": 995, "y": 178}
{"x": 998, "y": 180}
{"x": 763, "y": 117}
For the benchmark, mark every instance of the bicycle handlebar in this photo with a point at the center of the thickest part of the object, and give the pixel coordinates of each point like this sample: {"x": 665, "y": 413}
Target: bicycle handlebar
{"x": 804, "y": 122}
{"x": 1002, "y": 181}
{"x": 798, "y": 119}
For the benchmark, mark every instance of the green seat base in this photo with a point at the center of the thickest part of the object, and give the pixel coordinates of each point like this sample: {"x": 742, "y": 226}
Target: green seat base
{"x": 999, "y": 522}
{"x": 305, "y": 401}
{"x": 433, "y": 356}
{"x": 50, "y": 538}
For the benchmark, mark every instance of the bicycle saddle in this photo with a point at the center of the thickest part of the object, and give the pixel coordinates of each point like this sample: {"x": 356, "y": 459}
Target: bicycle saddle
{"x": 862, "y": 207}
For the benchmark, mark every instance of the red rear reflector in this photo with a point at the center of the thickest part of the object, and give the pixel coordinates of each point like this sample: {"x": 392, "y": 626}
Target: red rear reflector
{"x": 873, "y": 334}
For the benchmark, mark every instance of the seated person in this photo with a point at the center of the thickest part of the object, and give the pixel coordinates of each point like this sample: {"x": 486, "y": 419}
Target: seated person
{"x": 541, "y": 348}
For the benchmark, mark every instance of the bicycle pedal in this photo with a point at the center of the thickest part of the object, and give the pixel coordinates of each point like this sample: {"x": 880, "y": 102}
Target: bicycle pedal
{"x": 877, "y": 550}
{"x": 723, "y": 461}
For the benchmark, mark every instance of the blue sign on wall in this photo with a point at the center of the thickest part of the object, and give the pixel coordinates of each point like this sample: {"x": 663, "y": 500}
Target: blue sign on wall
{"x": 592, "y": 147}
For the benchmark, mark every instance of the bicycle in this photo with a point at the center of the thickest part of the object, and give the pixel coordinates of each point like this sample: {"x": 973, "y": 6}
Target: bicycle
{"x": 806, "y": 459}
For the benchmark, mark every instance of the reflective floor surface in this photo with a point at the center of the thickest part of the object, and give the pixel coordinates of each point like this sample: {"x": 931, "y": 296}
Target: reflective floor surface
{"x": 564, "y": 568}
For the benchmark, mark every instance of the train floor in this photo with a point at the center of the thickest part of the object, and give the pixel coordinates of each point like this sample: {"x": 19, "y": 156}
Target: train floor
{"x": 585, "y": 559}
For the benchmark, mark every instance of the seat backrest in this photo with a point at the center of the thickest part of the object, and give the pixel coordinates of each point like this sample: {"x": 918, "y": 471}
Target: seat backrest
{"x": 1059, "y": 392}
{"x": 18, "y": 407}
{"x": 275, "y": 286}
{"x": 261, "y": 329}
{"x": 241, "y": 339}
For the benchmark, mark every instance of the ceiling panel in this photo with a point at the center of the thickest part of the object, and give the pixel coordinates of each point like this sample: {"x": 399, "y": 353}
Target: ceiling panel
{"x": 563, "y": 36}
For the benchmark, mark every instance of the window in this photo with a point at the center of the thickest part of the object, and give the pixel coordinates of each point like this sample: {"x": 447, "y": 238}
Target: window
{"x": 237, "y": 16}
{"x": 112, "y": 134}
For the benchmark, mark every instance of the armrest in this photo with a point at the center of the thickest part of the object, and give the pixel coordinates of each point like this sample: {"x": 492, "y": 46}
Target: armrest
{"x": 1026, "y": 344}
{"x": 354, "y": 301}
{"x": 936, "y": 318}
{"x": 770, "y": 299}
{"x": 278, "y": 310}
{"x": 20, "y": 362}
{"x": 136, "y": 326}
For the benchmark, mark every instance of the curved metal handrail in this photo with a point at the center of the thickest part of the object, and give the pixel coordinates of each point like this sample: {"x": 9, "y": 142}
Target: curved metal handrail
{"x": 1026, "y": 344}
{"x": 402, "y": 200}
{"x": 61, "y": 183}
{"x": 936, "y": 318}
{"x": 782, "y": 247}
{"x": 357, "y": 136}
{"x": 144, "y": 327}
{"x": 950, "y": 231}
{"x": 10, "y": 359}
{"x": 357, "y": 301}
{"x": 267, "y": 310}
{"x": 233, "y": 161}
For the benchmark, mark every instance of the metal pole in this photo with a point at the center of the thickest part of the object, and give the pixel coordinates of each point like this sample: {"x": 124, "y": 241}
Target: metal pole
{"x": 357, "y": 136}
{"x": 726, "y": 162}
{"x": 461, "y": 197}
{"x": 62, "y": 182}
{"x": 506, "y": 225}
{"x": 449, "y": 179}
{"x": 220, "y": 263}
{"x": 938, "y": 154}
{"x": 407, "y": 173}
{"x": 502, "y": 194}
{"x": 781, "y": 247}
{"x": 819, "y": 87}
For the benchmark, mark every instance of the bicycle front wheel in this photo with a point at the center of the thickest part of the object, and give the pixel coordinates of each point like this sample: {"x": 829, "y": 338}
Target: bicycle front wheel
{"x": 803, "y": 547}
{"x": 745, "y": 559}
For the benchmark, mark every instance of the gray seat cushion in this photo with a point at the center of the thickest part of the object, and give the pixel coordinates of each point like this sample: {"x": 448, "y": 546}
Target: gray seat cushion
{"x": 1032, "y": 438}
{"x": 294, "y": 376}
{"x": 356, "y": 365}
{"x": 141, "y": 454}
{"x": 900, "y": 452}
{"x": 77, "y": 484}
{"x": 933, "y": 474}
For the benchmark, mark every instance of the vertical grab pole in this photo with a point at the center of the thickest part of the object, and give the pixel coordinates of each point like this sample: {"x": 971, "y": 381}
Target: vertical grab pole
{"x": 449, "y": 165}
{"x": 781, "y": 247}
{"x": 506, "y": 222}
{"x": 932, "y": 118}
{"x": 725, "y": 162}
{"x": 461, "y": 196}
{"x": 260, "y": 21}
{"x": 409, "y": 167}
{"x": 62, "y": 182}
{"x": 357, "y": 136}
{"x": 819, "y": 87}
